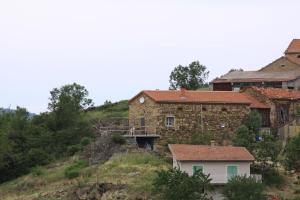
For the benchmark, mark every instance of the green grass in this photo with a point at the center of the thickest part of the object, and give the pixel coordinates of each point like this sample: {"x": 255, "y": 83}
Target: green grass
{"x": 118, "y": 110}
{"x": 135, "y": 170}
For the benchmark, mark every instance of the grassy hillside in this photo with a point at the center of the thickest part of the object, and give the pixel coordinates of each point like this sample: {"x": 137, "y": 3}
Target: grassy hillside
{"x": 124, "y": 176}
{"x": 109, "y": 110}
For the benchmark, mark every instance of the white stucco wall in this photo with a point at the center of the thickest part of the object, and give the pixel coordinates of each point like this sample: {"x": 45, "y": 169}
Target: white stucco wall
{"x": 217, "y": 170}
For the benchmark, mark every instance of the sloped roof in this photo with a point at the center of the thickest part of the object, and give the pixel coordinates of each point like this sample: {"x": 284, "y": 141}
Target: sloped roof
{"x": 188, "y": 96}
{"x": 185, "y": 152}
{"x": 278, "y": 93}
{"x": 294, "y": 46}
{"x": 258, "y": 76}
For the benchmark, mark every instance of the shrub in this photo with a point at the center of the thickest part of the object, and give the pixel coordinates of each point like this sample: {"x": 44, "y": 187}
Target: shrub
{"x": 74, "y": 170}
{"x": 273, "y": 178}
{"x": 177, "y": 185}
{"x": 71, "y": 150}
{"x": 85, "y": 141}
{"x": 37, "y": 171}
{"x": 118, "y": 138}
{"x": 201, "y": 138}
{"x": 292, "y": 153}
{"x": 38, "y": 157}
{"x": 242, "y": 187}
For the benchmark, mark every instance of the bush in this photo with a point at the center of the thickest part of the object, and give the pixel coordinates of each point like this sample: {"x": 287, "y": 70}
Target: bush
{"x": 37, "y": 171}
{"x": 118, "y": 138}
{"x": 242, "y": 187}
{"x": 38, "y": 157}
{"x": 292, "y": 153}
{"x": 177, "y": 185}
{"x": 74, "y": 170}
{"x": 85, "y": 141}
{"x": 71, "y": 150}
{"x": 201, "y": 138}
{"x": 273, "y": 178}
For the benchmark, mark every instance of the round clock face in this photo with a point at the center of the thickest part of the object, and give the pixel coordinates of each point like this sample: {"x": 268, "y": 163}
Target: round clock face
{"x": 142, "y": 100}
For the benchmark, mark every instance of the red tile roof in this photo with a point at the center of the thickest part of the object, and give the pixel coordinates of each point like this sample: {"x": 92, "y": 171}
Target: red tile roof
{"x": 211, "y": 97}
{"x": 185, "y": 152}
{"x": 278, "y": 93}
{"x": 294, "y": 46}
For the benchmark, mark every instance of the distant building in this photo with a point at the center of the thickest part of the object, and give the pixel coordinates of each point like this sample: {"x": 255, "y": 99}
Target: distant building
{"x": 221, "y": 162}
{"x": 282, "y": 73}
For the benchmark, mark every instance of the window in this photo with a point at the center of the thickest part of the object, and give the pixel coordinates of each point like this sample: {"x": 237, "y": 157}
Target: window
{"x": 231, "y": 171}
{"x": 298, "y": 56}
{"x": 224, "y": 109}
{"x": 170, "y": 121}
{"x": 197, "y": 168}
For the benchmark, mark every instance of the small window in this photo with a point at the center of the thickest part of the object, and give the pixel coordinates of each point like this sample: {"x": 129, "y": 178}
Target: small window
{"x": 298, "y": 56}
{"x": 180, "y": 108}
{"x": 231, "y": 171}
{"x": 224, "y": 109}
{"x": 204, "y": 109}
{"x": 170, "y": 121}
{"x": 197, "y": 168}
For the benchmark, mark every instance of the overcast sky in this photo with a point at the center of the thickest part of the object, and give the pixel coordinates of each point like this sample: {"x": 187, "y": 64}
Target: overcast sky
{"x": 117, "y": 48}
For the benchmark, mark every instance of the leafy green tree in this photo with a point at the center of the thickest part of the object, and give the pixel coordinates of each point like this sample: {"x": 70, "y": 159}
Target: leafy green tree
{"x": 242, "y": 187}
{"x": 245, "y": 135}
{"x": 174, "y": 184}
{"x": 191, "y": 77}
{"x": 266, "y": 152}
{"x": 67, "y": 105}
{"x": 244, "y": 138}
{"x": 253, "y": 122}
{"x": 67, "y": 102}
{"x": 292, "y": 153}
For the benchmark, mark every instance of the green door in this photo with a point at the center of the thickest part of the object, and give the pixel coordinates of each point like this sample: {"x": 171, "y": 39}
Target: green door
{"x": 197, "y": 168}
{"x": 231, "y": 171}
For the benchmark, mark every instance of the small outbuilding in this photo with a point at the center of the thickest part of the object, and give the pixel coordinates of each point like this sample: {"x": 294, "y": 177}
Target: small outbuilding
{"x": 221, "y": 162}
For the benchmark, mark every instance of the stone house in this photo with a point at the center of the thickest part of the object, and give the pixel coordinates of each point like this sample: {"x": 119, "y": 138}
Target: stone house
{"x": 281, "y": 73}
{"x": 220, "y": 162}
{"x": 180, "y": 114}
{"x": 284, "y": 105}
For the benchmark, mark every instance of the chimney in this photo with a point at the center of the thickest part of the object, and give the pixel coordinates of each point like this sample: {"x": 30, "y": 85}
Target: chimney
{"x": 182, "y": 91}
{"x": 212, "y": 144}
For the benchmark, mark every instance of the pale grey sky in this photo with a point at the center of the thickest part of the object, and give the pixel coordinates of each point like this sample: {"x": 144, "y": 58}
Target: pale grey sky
{"x": 116, "y": 48}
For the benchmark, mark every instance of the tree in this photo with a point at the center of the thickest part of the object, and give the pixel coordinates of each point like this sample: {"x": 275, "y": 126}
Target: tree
{"x": 253, "y": 122}
{"x": 174, "y": 184}
{"x": 244, "y": 138}
{"x": 191, "y": 77}
{"x": 243, "y": 187}
{"x": 266, "y": 152}
{"x": 67, "y": 105}
{"x": 245, "y": 135}
{"x": 292, "y": 153}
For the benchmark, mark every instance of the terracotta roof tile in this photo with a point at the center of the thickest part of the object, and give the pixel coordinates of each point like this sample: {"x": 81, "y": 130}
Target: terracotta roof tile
{"x": 187, "y": 96}
{"x": 185, "y": 152}
{"x": 278, "y": 93}
{"x": 294, "y": 46}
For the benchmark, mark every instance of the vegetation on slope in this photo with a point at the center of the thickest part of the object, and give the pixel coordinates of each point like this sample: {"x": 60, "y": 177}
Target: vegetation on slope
{"x": 125, "y": 176}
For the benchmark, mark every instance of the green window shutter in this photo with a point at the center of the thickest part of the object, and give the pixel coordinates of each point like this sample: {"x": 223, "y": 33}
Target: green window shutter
{"x": 197, "y": 168}
{"x": 231, "y": 171}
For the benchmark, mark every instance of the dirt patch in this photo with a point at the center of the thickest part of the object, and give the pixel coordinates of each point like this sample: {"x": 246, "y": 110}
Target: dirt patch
{"x": 101, "y": 191}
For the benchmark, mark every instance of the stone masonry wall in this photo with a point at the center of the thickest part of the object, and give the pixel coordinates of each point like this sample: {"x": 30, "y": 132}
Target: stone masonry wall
{"x": 220, "y": 120}
{"x": 148, "y": 110}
